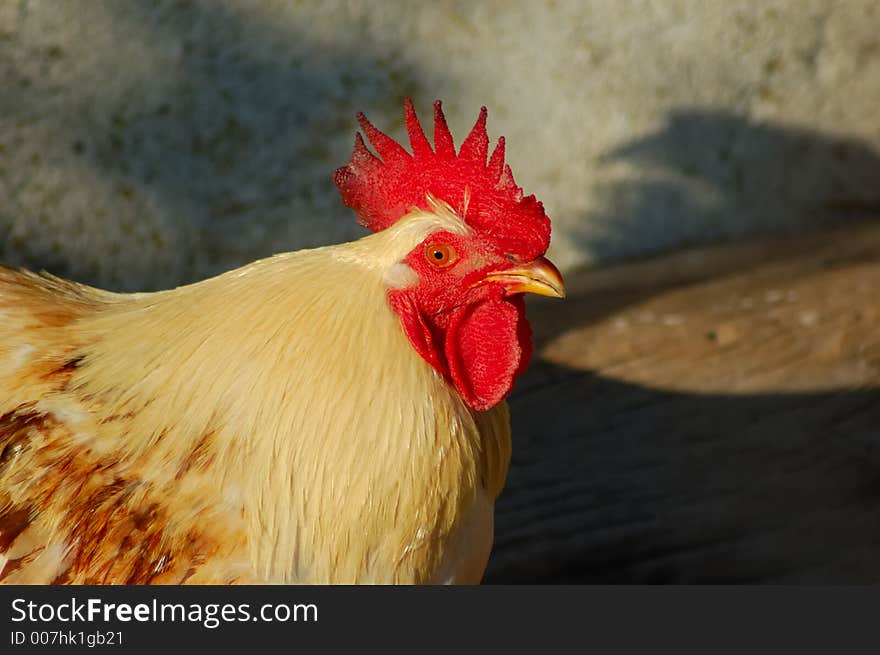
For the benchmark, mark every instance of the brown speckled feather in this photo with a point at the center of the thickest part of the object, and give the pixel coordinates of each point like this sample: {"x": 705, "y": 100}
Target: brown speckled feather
{"x": 73, "y": 510}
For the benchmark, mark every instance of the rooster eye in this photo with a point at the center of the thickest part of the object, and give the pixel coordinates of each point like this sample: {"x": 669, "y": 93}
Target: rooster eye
{"x": 440, "y": 255}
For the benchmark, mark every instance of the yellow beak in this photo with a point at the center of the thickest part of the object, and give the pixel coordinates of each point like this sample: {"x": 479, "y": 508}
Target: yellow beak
{"x": 539, "y": 276}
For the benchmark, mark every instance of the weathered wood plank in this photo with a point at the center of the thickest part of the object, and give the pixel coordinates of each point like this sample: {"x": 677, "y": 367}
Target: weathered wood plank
{"x": 711, "y": 416}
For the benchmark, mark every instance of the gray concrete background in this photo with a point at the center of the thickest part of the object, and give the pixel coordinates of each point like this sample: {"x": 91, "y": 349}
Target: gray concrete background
{"x": 145, "y": 144}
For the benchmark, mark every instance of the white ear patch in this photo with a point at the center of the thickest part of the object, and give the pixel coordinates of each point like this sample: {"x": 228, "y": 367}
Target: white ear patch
{"x": 400, "y": 276}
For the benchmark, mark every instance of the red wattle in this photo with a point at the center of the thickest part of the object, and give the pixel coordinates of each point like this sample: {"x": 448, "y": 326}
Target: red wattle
{"x": 486, "y": 348}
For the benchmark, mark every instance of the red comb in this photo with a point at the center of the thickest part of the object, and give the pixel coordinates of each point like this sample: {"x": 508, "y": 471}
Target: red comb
{"x": 383, "y": 189}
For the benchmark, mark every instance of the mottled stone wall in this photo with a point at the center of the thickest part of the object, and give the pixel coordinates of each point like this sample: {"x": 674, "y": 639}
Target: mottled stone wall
{"x": 145, "y": 144}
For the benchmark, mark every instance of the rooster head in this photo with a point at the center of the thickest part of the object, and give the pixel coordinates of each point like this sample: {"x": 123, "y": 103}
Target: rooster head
{"x": 459, "y": 292}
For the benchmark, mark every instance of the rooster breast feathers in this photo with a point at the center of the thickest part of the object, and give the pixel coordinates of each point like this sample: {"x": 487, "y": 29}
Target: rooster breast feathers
{"x": 271, "y": 424}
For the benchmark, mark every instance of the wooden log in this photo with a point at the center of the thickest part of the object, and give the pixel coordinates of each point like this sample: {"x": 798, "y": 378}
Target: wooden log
{"x": 711, "y": 416}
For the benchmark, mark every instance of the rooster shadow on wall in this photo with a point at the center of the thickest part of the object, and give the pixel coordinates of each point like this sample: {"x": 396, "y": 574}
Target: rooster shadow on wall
{"x": 715, "y": 174}
{"x": 614, "y": 482}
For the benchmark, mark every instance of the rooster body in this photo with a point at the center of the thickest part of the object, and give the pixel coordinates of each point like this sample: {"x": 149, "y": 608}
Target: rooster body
{"x": 273, "y": 424}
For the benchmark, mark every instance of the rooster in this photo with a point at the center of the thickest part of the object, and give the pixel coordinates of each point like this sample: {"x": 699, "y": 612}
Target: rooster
{"x": 333, "y": 415}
